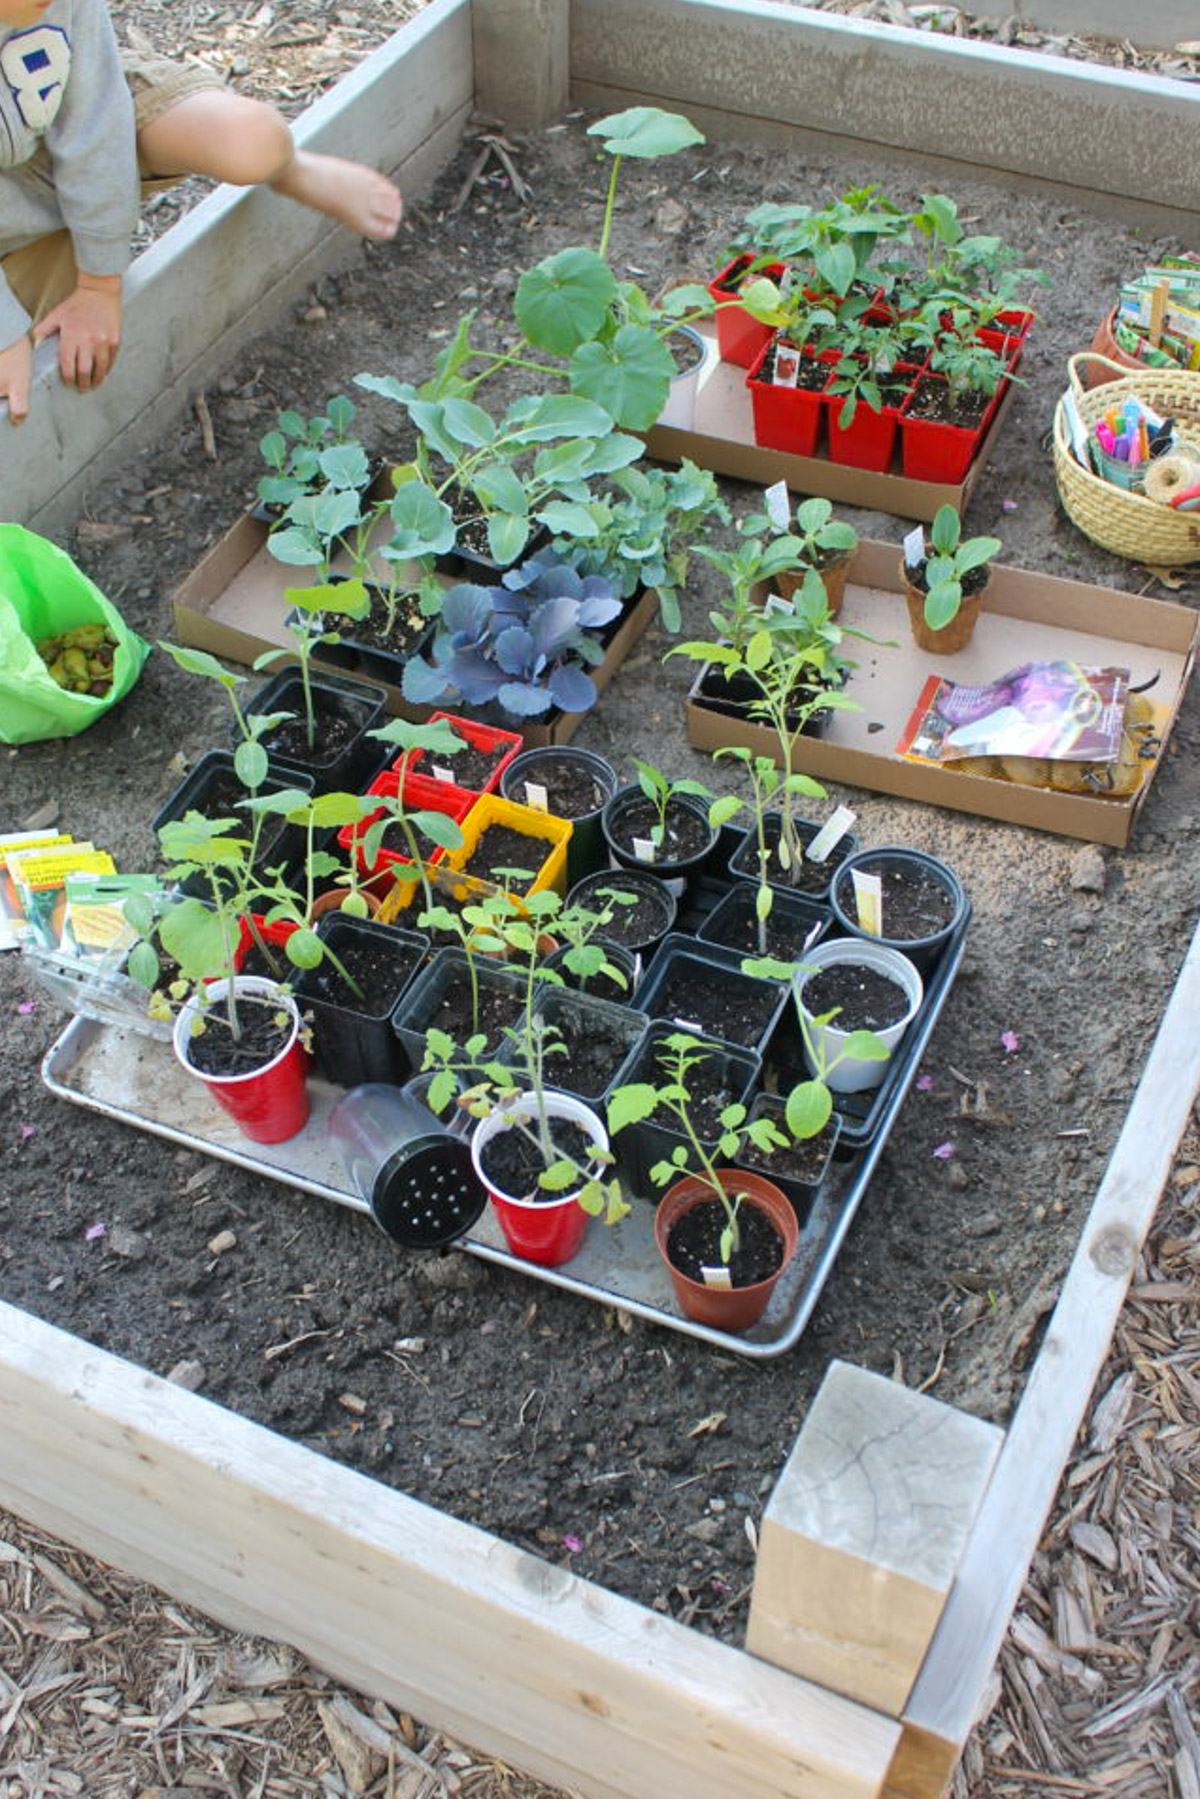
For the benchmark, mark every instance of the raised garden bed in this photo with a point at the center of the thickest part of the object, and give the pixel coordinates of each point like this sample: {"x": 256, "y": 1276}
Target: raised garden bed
{"x": 490, "y": 1618}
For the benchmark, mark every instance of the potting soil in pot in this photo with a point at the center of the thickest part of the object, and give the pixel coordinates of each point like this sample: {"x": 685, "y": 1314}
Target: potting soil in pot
{"x": 686, "y": 833}
{"x": 694, "y": 1243}
{"x": 594, "y": 1050}
{"x": 395, "y": 636}
{"x": 811, "y": 374}
{"x": 217, "y": 1051}
{"x": 502, "y": 848}
{"x": 512, "y": 1161}
{"x": 470, "y": 766}
{"x": 380, "y": 969}
{"x": 801, "y": 875}
{"x": 932, "y": 400}
{"x": 571, "y": 792}
{"x": 740, "y": 929}
{"x": 803, "y": 1161}
{"x": 334, "y": 729}
{"x": 640, "y": 922}
{"x": 498, "y": 1006}
{"x": 719, "y": 1003}
{"x": 915, "y": 903}
{"x": 864, "y": 999}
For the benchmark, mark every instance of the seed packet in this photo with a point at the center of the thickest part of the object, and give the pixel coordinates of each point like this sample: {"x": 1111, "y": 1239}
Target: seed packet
{"x": 1058, "y": 711}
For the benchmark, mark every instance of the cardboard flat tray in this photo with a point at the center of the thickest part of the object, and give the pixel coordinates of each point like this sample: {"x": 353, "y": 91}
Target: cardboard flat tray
{"x": 721, "y": 438}
{"x": 1027, "y": 617}
{"x": 233, "y": 605}
{"x": 127, "y": 1076}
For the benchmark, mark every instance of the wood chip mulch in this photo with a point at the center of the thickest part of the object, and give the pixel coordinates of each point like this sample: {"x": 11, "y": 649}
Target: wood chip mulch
{"x": 108, "y": 1690}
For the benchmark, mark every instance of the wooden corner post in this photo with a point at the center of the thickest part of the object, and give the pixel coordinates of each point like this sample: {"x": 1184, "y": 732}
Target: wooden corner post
{"x": 863, "y": 1534}
{"x": 522, "y": 59}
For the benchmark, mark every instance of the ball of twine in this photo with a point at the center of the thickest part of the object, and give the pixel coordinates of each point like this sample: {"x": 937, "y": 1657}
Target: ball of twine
{"x": 1169, "y": 476}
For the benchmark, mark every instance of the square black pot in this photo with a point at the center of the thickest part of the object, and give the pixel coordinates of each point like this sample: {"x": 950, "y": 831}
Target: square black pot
{"x": 351, "y": 1045}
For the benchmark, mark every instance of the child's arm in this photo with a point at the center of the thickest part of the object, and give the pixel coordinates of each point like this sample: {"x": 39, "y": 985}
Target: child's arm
{"x": 88, "y": 323}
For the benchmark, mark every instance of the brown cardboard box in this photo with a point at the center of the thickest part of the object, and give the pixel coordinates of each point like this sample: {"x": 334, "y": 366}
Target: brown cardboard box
{"x": 722, "y": 439}
{"x": 232, "y": 604}
{"x": 1027, "y": 617}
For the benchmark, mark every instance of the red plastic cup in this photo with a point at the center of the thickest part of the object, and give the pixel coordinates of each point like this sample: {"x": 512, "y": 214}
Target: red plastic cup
{"x": 270, "y": 1104}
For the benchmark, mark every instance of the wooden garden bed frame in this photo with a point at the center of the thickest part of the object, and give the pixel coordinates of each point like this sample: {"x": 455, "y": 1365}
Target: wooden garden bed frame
{"x": 898, "y": 1537}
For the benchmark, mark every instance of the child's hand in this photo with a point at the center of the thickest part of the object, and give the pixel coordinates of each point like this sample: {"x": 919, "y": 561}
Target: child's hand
{"x": 88, "y": 323}
{"x": 16, "y": 368}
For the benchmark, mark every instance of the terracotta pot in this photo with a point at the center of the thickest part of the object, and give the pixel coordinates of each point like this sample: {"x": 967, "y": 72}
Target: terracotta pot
{"x": 725, "y": 1308}
{"x": 834, "y": 577}
{"x": 954, "y": 636}
{"x": 335, "y": 899}
{"x": 1105, "y": 344}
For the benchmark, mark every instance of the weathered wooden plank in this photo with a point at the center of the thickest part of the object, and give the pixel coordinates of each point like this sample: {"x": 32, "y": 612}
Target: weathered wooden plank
{"x": 863, "y": 1533}
{"x": 563, "y": 1678}
{"x": 951, "y": 1684}
{"x": 777, "y": 66}
{"x": 230, "y": 267}
{"x": 522, "y": 50}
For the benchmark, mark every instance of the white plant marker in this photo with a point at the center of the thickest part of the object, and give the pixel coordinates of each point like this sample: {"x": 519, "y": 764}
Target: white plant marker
{"x": 536, "y": 796}
{"x": 868, "y": 900}
{"x": 830, "y": 834}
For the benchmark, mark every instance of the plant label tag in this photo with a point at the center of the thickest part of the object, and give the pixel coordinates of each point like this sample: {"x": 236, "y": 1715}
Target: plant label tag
{"x": 536, "y": 796}
{"x": 914, "y": 547}
{"x": 689, "y": 1024}
{"x": 716, "y": 1277}
{"x": 830, "y": 834}
{"x": 643, "y": 849}
{"x": 868, "y": 899}
{"x": 637, "y": 968}
{"x": 441, "y": 773}
{"x": 776, "y": 603}
{"x": 775, "y": 499}
{"x": 787, "y": 366}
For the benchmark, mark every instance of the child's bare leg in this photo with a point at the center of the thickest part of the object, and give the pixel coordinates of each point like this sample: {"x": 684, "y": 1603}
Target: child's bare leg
{"x": 246, "y": 142}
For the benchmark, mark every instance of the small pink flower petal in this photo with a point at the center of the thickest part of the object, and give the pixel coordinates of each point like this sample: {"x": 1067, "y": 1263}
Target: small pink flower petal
{"x": 1011, "y": 1042}
{"x": 944, "y": 1151}
{"x": 719, "y": 1586}
{"x": 572, "y": 1545}
{"x": 1008, "y": 505}
{"x": 924, "y": 1083}
{"x": 93, "y": 1231}
{"x": 28, "y": 1131}
{"x": 25, "y": 1008}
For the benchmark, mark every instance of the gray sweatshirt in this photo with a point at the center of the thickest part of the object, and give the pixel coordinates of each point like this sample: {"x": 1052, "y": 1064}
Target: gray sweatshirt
{"x": 62, "y": 89}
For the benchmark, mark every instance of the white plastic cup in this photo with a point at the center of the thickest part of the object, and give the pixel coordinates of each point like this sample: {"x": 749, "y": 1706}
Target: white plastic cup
{"x": 854, "y": 1075}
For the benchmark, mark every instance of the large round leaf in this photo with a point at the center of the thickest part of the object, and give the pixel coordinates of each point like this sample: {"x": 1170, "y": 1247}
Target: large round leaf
{"x": 423, "y": 524}
{"x": 630, "y": 377}
{"x": 561, "y": 302}
{"x": 645, "y": 131}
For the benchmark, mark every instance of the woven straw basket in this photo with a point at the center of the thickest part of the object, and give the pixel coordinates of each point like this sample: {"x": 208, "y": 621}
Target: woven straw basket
{"x": 1128, "y": 523}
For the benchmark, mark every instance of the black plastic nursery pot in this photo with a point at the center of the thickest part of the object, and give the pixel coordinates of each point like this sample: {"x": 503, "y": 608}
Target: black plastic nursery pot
{"x": 732, "y": 695}
{"x": 343, "y": 758}
{"x": 466, "y": 564}
{"x": 815, "y": 877}
{"x": 701, "y": 988}
{"x": 641, "y": 927}
{"x": 932, "y": 893}
{"x": 575, "y": 784}
{"x": 802, "y": 1168}
{"x": 369, "y": 650}
{"x": 627, "y": 819}
{"x": 442, "y": 992}
{"x": 639, "y": 1146}
{"x": 204, "y": 789}
{"x": 352, "y": 1040}
{"x": 592, "y": 1031}
{"x": 733, "y": 922}
{"x": 601, "y": 986}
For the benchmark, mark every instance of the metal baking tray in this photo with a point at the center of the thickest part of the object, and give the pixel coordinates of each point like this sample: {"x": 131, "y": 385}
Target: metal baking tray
{"x": 126, "y": 1076}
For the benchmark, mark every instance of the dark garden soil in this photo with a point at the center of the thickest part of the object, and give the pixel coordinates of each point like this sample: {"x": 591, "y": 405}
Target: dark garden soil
{"x": 397, "y": 636}
{"x": 513, "y": 1162}
{"x": 784, "y": 933}
{"x": 471, "y": 767}
{"x": 593, "y": 1049}
{"x": 719, "y": 1004}
{"x": 583, "y": 1430}
{"x": 800, "y": 876}
{"x": 334, "y": 731}
{"x": 694, "y": 1243}
{"x": 803, "y": 1161}
{"x": 973, "y": 581}
{"x": 633, "y": 925}
{"x": 499, "y": 1005}
{"x": 863, "y": 999}
{"x": 602, "y": 986}
{"x": 501, "y": 848}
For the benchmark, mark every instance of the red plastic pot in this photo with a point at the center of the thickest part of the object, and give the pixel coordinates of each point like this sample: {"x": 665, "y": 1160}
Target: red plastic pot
{"x": 725, "y": 1308}
{"x": 869, "y": 440}
{"x": 740, "y": 337}
{"x": 421, "y": 794}
{"x": 271, "y": 1104}
{"x": 547, "y": 1231}
{"x": 488, "y": 738}
{"x": 276, "y": 934}
{"x": 932, "y": 451}
{"x": 786, "y": 418}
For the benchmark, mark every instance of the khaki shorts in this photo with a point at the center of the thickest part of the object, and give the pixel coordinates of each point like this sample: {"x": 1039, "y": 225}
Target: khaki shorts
{"x": 43, "y": 273}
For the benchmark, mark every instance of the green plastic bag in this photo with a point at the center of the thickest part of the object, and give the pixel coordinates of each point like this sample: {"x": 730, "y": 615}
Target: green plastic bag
{"x": 42, "y": 593}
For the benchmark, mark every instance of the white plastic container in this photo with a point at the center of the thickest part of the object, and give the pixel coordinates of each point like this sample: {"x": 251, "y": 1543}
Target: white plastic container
{"x": 853, "y": 1075}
